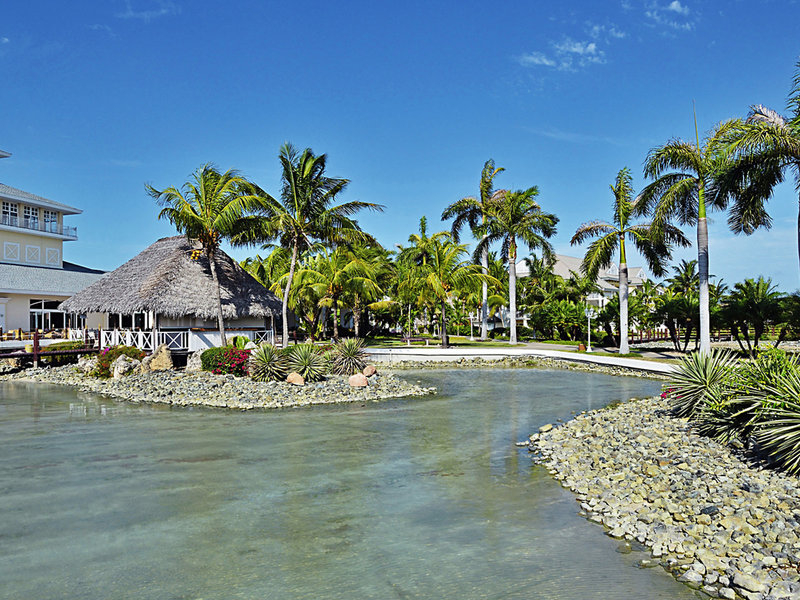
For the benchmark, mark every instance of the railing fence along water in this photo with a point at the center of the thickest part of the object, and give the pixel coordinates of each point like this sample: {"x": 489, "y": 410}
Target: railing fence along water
{"x": 181, "y": 340}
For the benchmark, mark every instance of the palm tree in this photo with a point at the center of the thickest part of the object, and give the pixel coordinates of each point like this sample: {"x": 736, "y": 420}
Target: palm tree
{"x": 764, "y": 148}
{"x": 680, "y": 194}
{"x": 446, "y": 272}
{"x": 752, "y": 304}
{"x": 305, "y": 212}
{"x": 209, "y": 208}
{"x": 516, "y": 217}
{"x": 656, "y": 250}
{"x": 473, "y": 212}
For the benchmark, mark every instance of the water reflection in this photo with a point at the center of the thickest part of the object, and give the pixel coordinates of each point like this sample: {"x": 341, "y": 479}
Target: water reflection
{"x": 423, "y": 498}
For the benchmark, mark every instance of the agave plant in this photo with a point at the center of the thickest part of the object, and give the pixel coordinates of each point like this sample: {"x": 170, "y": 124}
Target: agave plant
{"x": 778, "y": 429}
{"x": 701, "y": 380}
{"x": 348, "y": 357}
{"x": 306, "y": 360}
{"x": 267, "y": 363}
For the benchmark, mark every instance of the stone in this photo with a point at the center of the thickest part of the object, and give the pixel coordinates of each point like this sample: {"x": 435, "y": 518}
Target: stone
{"x": 251, "y": 345}
{"x": 727, "y": 593}
{"x": 160, "y": 360}
{"x": 87, "y": 364}
{"x": 692, "y": 578}
{"x": 546, "y": 428}
{"x": 123, "y": 366}
{"x": 295, "y": 379}
{"x": 747, "y": 582}
{"x": 358, "y": 380}
{"x": 369, "y": 370}
{"x": 194, "y": 363}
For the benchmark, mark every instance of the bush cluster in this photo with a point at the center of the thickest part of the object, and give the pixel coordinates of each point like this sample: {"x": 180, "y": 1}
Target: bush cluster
{"x": 227, "y": 360}
{"x": 107, "y": 357}
{"x": 753, "y": 402}
{"x": 64, "y": 359}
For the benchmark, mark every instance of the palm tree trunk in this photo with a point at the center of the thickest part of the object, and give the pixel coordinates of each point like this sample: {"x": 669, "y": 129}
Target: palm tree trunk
{"x": 623, "y": 308}
{"x": 444, "y": 325}
{"x": 357, "y": 318}
{"x": 335, "y": 320}
{"x": 212, "y": 262}
{"x": 512, "y": 291}
{"x": 702, "y": 267}
{"x": 285, "y": 308}
{"x": 485, "y": 296}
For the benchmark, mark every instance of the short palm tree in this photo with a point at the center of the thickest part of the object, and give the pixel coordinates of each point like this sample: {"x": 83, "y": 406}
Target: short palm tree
{"x": 652, "y": 243}
{"x": 764, "y": 148}
{"x": 516, "y": 217}
{"x": 209, "y": 208}
{"x": 751, "y": 305}
{"x": 683, "y": 173}
{"x": 306, "y": 213}
{"x": 473, "y": 212}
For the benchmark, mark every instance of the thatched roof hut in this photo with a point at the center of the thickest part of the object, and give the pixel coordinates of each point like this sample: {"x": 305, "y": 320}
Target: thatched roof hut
{"x": 164, "y": 279}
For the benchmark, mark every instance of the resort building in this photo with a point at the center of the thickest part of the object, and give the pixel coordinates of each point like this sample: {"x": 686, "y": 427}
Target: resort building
{"x": 34, "y": 277}
{"x": 166, "y": 295}
{"x": 607, "y": 280}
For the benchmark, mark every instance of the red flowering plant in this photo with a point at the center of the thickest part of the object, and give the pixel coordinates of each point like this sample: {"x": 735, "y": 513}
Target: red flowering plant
{"x": 225, "y": 361}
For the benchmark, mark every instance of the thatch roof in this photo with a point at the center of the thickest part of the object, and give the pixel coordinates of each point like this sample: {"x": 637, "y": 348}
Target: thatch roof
{"x": 165, "y": 279}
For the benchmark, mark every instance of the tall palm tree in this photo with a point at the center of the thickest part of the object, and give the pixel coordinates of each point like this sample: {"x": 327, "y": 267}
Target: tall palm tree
{"x": 612, "y": 236}
{"x": 209, "y": 208}
{"x": 474, "y": 212}
{"x": 306, "y": 213}
{"x": 764, "y": 148}
{"x": 683, "y": 173}
{"x": 515, "y": 217}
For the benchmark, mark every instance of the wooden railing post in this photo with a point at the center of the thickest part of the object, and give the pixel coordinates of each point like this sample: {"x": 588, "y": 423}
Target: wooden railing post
{"x": 36, "y": 348}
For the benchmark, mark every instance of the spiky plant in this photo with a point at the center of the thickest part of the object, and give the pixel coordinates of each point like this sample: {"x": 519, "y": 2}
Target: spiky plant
{"x": 701, "y": 379}
{"x": 267, "y": 363}
{"x": 778, "y": 429}
{"x": 349, "y": 357}
{"x": 307, "y": 361}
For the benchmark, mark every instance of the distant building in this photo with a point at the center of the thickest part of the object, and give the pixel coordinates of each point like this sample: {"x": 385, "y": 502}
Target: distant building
{"x": 607, "y": 280}
{"x": 34, "y": 277}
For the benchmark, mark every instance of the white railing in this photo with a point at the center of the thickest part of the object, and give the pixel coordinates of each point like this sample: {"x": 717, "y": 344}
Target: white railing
{"x": 125, "y": 337}
{"x": 264, "y": 337}
{"x": 174, "y": 339}
{"x": 84, "y": 335}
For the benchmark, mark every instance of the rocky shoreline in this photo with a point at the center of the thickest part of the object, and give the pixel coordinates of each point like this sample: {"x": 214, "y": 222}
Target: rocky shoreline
{"x": 517, "y": 362}
{"x": 715, "y": 522}
{"x": 201, "y": 388}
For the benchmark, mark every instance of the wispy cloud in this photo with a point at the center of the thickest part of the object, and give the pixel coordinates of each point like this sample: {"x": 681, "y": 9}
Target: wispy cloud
{"x": 101, "y": 27}
{"x": 159, "y": 8}
{"x": 598, "y": 32}
{"x": 4, "y": 40}
{"x": 576, "y": 138}
{"x": 567, "y": 55}
{"x": 673, "y": 15}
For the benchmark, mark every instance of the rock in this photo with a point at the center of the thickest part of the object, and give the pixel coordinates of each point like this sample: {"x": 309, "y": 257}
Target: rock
{"x": 194, "y": 364}
{"x": 358, "y": 380}
{"x": 727, "y": 593}
{"x": 546, "y": 428}
{"x": 369, "y": 370}
{"x": 295, "y": 379}
{"x": 251, "y": 345}
{"x": 160, "y": 360}
{"x": 747, "y": 582}
{"x": 124, "y": 365}
{"x": 692, "y": 578}
{"x": 87, "y": 364}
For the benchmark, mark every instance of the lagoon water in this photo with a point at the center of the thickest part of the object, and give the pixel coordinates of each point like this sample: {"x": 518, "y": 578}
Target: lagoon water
{"x": 422, "y": 498}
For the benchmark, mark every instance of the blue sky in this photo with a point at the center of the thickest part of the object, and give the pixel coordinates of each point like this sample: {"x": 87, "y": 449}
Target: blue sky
{"x": 407, "y": 99}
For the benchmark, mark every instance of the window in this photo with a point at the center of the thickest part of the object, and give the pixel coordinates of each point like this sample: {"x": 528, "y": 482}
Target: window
{"x": 9, "y": 216}
{"x": 31, "y": 217}
{"x": 44, "y": 314}
{"x": 51, "y": 221}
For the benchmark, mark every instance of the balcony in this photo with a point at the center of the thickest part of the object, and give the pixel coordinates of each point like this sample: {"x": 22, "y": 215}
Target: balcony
{"x": 37, "y": 225}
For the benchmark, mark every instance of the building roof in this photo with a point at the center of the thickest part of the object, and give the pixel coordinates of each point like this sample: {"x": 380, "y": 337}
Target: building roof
{"x": 27, "y": 279}
{"x": 165, "y": 279}
{"x": 12, "y": 193}
{"x": 566, "y": 265}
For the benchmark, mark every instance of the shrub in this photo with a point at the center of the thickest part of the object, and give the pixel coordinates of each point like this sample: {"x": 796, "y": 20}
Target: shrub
{"x": 778, "y": 426}
{"x": 701, "y": 379}
{"x": 267, "y": 363}
{"x": 307, "y": 360}
{"x": 107, "y": 357}
{"x": 239, "y": 341}
{"x": 225, "y": 360}
{"x": 348, "y": 357}
{"x": 67, "y": 359}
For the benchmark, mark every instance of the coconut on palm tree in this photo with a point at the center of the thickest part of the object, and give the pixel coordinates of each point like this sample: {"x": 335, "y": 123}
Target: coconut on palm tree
{"x": 654, "y": 243}
{"x": 305, "y": 212}
{"x": 514, "y": 218}
{"x": 209, "y": 208}
{"x": 474, "y": 212}
{"x": 683, "y": 172}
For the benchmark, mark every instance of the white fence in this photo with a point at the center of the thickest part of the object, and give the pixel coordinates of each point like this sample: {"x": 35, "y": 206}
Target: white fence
{"x": 185, "y": 339}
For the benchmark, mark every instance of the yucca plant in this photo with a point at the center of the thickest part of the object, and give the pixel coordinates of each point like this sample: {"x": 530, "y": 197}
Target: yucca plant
{"x": 778, "y": 427}
{"x": 306, "y": 360}
{"x": 348, "y": 357}
{"x": 267, "y": 363}
{"x": 700, "y": 380}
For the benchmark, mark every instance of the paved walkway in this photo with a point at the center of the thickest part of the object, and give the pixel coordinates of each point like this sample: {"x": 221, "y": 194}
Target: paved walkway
{"x": 391, "y": 355}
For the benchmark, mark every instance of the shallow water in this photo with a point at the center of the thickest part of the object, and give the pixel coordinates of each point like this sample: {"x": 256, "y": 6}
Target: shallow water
{"x": 422, "y": 498}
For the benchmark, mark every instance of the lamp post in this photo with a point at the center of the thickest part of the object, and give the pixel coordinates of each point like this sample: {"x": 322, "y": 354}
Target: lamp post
{"x": 471, "y": 337}
{"x": 590, "y": 314}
